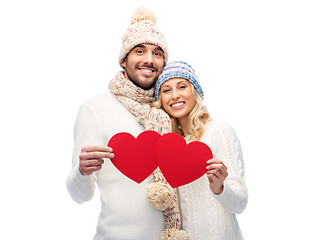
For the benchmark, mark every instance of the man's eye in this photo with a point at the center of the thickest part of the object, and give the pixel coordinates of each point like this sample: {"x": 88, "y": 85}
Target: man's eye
{"x": 158, "y": 53}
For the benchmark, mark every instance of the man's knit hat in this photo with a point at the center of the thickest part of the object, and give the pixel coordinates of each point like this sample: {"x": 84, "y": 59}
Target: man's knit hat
{"x": 142, "y": 30}
{"x": 178, "y": 69}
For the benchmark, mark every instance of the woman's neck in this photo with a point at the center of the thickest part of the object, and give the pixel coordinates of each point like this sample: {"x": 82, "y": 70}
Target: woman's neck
{"x": 183, "y": 122}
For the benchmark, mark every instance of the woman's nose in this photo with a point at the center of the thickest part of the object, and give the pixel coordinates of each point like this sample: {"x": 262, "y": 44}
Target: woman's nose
{"x": 175, "y": 95}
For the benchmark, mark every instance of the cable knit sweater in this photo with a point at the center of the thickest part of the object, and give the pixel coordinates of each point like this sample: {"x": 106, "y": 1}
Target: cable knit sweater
{"x": 125, "y": 211}
{"x": 205, "y": 215}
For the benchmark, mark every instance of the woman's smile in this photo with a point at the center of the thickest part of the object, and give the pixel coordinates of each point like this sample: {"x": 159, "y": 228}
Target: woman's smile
{"x": 177, "y": 105}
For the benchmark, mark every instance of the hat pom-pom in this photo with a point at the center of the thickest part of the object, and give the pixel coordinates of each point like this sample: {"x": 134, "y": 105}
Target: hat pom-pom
{"x": 141, "y": 14}
{"x": 174, "y": 234}
{"x": 160, "y": 195}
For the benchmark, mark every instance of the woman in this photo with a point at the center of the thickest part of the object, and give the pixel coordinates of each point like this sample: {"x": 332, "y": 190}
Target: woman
{"x": 209, "y": 204}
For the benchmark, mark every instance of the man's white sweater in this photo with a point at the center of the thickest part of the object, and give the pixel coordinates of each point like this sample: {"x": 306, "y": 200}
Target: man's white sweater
{"x": 125, "y": 211}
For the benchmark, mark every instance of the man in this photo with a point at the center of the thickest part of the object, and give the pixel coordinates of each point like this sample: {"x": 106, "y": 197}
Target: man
{"x": 125, "y": 211}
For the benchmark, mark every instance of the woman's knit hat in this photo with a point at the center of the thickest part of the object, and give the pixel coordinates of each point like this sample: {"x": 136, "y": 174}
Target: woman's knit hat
{"x": 178, "y": 69}
{"x": 142, "y": 30}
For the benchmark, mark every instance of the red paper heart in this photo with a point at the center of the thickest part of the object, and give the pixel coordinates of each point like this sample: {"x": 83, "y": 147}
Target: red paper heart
{"x": 134, "y": 157}
{"x": 180, "y": 163}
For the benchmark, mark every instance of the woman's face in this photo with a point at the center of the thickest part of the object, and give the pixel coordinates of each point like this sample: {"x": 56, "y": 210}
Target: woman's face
{"x": 177, "y": 97}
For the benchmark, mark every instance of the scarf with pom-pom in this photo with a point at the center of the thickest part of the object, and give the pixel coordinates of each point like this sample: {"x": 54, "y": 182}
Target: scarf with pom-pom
{"x": 160, "y": 194}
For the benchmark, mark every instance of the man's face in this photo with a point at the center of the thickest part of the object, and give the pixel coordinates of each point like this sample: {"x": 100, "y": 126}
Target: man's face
{"x": 143, "y": 65}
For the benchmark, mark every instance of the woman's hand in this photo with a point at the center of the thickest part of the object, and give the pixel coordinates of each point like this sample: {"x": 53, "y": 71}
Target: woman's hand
{"x": 217, "y": 173}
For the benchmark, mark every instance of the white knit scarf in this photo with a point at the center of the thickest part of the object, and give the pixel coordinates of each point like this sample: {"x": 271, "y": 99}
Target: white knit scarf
{"x": 160, "y": 194}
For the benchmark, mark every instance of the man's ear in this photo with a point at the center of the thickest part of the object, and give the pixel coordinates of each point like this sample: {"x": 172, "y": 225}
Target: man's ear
{"x": 123, "y": 63}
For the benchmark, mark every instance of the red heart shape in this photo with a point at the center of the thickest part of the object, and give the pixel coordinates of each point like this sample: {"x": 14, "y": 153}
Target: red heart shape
{"x": 180, "y": 163}
{"x": 134, "y": 157}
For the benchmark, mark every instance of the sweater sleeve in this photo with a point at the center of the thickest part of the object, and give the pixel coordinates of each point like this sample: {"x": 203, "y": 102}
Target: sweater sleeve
{"x": 227, "y": 148}
{"x": 87, "y": 132}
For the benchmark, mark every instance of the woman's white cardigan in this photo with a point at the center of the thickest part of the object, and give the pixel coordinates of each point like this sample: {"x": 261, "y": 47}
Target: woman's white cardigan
{"x": 205, "y": 215}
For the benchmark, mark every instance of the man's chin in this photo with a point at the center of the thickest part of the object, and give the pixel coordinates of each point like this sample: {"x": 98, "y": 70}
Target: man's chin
{"x": 143, "y": 86}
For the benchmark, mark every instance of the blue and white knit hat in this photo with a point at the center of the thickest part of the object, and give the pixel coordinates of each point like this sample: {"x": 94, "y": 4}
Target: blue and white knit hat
{"x": 178, "y": 69}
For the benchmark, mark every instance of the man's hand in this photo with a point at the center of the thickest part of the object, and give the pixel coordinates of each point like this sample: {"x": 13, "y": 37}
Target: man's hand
{"x": 217, "y": 173}
{"x": 91, "y": 158}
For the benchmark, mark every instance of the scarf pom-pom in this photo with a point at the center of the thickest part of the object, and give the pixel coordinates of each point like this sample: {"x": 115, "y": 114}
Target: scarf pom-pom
{"x": 160, "y": 195}
{"x": 174, "y": 234}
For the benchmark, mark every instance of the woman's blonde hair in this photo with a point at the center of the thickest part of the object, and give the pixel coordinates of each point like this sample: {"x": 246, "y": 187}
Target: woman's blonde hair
{"x": 197, "y": 118}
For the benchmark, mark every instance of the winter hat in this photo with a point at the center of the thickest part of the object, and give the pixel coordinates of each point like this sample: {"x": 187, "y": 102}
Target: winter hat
{"x": 178, "y": 69}
{"x": 142, "y": 30}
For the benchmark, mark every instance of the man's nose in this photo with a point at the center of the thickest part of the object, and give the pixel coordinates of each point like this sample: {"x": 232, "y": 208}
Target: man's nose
{"x": 148, "y": 57}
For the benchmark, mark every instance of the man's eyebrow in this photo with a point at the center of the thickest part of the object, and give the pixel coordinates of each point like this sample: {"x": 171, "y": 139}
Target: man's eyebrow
{"x": 139, "y": 45}
{"x": 143, "y": 46}
{"x": 158, "y": 48}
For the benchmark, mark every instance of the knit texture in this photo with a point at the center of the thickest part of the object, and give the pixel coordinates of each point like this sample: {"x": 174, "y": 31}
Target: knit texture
{"x": 138, "y": 101}
{"x": 178, "y": 69}
{"x": 200, "y": 206}
{"x": 142, "y": 30}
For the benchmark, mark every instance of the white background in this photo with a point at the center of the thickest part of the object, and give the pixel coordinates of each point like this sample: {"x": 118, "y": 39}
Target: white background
{"x": 267, "y": 68}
